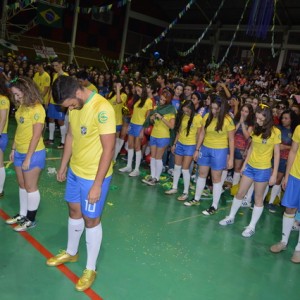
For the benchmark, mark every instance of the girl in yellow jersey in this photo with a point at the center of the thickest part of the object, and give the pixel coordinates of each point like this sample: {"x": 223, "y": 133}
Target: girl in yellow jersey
{"x": 188, "y": 126}
{"x": 217, "y": 136}
{"x": 291, "y": 198}
{"x": 266, "y": 140}
{"x": 28, "y": 150}
{"x": 163, "y": 118}
{"x": 117, "y": 98}
{"x": 141, "y": 110}
{"x": 4, "y": 111}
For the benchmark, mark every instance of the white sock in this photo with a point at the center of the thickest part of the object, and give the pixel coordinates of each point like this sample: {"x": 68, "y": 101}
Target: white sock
{"x": 256, "y": 213}
{"x": 224, "y": 176}
{"x": 236, "y": 204}
{"x": 266, "y": 192}
{"x": 200, "y": 185}
{"x": 249, "y": 193}
{"x": 287, "y": 224}
{"x": 93, "y": 243}
{"x": 51, "y": 131}
{"x": 276, "y": 189}
{"x": 2, "y": 178}
{"x": 119, "y": 145}
{"x": 33, "y": 200}
{"x": 176, "y": 176}
{"x": 130, "y": 153}
{"x": 153, "y": 167}
{"x": 75, "y": 230}
{"x": 236, "y": 178}
{"x": 298, "y": 245}
{"x": 138, "y": 158}
{"x": 186, "y": 180}
{"x": 63, "y": 132}
{"x": 159, "y": 168}
{"x": 217, "y": 191}
{"x": 23, "y": 202}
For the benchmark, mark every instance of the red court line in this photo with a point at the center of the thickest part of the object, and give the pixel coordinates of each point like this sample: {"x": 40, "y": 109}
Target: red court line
{"x": 47, "y": 254}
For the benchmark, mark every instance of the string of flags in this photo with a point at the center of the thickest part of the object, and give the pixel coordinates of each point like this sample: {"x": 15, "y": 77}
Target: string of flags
{"x": 166, "y": 31}
{"x": 189, "y": 51}
{"x": 85, "y": 10}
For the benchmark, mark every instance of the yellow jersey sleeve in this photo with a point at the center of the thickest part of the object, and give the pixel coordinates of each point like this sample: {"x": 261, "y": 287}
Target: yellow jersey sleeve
{"x": 191, "y": 139}
{"x": 96, "y": 118}
{"x": 5, "y": 105}
{"x": 295, "y": 170}
{"x": 118, "y": 107}
{"x": 160, "y": 129}
{"x": 262, "y": 149}
{"x": 214, "y": 139}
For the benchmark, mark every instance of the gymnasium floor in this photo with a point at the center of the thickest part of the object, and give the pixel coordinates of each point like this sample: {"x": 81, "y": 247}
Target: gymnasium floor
{"x": 153, "y": 247}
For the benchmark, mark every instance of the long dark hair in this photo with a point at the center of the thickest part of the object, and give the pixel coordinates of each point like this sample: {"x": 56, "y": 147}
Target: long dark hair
{"x": 144, "y": 95}
{"x": 113, "y": 93}
{"x": 3, "y": 88}
{"x": 223, "y": 105}
{"x": 294, "y": 119}
{"x": 266, "y": 130}
{"x": 180, "y": 115}
{"x": 250, "y": 118}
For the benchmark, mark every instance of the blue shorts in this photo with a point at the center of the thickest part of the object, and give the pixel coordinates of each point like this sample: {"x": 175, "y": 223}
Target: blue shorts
{"x": 3, "y": 141}
{"x": 238, "y": 153}
{"x": 184, "y": 150}
{"x": 258, "y": 175}
{"x": 291, "y": 197}
{"x": 159, "y": 142}
{"x": 282, "y": 165}
{"x": 126, "y": 119}
{"x": 77, "y": 190}
{"x": 38, "y": 160}
{"x": 118, "y": 128}
{"x": 55, "y": 112}
{"x": 216, "y": 159}
{"x": 135, "y": 129}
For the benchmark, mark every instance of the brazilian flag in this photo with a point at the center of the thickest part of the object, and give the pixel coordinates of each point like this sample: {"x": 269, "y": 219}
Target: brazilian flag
{"x": 49, "y": 15}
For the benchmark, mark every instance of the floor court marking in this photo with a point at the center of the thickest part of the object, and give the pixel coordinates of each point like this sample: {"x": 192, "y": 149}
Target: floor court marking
{"x": 196, "y": 216}
{"x": 47, "y": 254}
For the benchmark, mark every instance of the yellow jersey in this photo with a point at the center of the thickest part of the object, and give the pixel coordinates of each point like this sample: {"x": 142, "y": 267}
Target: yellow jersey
{"x": 92, "y": 88}
{"x": 42, "y": 81}
{"x": 295, "y": 169}
{"x": 26, "y": 117}
{"x": 262, "y": 149}
{"x": 214, "y": 139}
{"x": 118, "y": 107}
{"x": 191, "y": 139}
{"x": 160, "y": 129}
{"x": 5, "y": 104}
{"x": 96, "y": 118}
{"x": 140, "y": 113}
{"x": 55, "y": 76}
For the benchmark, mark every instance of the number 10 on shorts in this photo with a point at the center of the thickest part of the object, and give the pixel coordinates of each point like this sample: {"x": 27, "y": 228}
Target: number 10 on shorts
{"x": 90, "y": 207}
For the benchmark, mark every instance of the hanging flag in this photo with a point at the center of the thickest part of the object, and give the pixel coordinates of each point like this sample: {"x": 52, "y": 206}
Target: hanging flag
{"x": 49, "y": 15}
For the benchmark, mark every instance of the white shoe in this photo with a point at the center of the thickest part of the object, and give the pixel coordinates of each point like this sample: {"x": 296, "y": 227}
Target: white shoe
{"x": 226, "y": 221}
{"x": 248, "y": 232}
{"x": 171, "y": 191}
{"x": 125, "y": 170}
{"x": 134, "y": 173}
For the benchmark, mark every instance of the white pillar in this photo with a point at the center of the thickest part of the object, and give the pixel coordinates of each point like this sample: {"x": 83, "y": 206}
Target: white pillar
{"x": 283, "y": 52}
{"x": 73, "y": 40}
{"x": 122, "y": 51}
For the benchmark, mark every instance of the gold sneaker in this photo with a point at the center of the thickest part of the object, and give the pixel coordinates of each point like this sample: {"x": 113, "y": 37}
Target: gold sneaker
{"x": 86, "y": 280}
{"x": 61, "y": 258}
